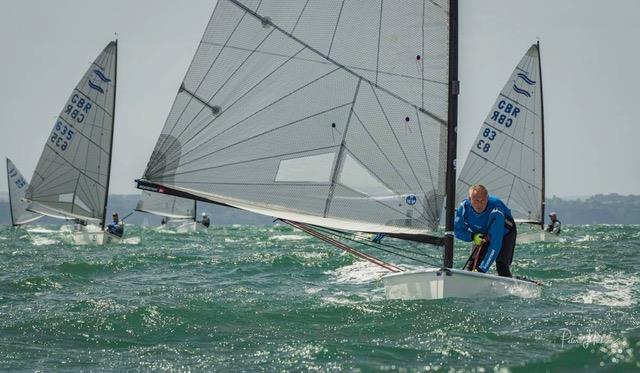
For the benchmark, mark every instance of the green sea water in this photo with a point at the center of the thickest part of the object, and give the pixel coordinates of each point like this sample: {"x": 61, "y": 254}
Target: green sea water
{"x": 273, "y": 299}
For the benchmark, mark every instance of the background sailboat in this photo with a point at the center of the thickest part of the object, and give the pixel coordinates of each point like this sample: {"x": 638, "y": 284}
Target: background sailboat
{"x": 508, "y": 154}
{"x": 180, "y": 213}
{"x": 326, "y": 114}
{"x": 71, "y": 180}
{"x": 17, "y": 188}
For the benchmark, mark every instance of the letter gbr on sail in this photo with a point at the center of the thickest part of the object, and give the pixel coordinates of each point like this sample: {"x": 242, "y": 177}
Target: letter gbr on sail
{"x": 72, "y": 176}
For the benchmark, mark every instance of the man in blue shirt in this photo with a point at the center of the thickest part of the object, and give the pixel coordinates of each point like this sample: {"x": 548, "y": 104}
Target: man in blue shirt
{"x": 487, "y": 222}
{"x": 116, "y": 227}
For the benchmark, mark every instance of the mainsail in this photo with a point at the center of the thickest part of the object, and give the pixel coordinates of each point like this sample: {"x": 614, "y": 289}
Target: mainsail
{"x": 71, "y": 179}
{"x": 168, "y": 206}
{"x": 508, "y": 155}
{"x": 17, "y": 188}
{"x": 323, "y": 112}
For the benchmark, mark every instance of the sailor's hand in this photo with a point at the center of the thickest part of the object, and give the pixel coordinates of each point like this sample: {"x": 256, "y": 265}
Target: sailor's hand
{"x": 478, "y": 238}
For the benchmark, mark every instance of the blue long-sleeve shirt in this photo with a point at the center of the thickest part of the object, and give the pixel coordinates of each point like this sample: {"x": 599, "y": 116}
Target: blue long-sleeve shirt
{"x": 490, "y": 223}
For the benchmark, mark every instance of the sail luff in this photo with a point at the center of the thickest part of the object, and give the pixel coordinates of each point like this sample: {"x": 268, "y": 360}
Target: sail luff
{"x": 13, "y": 222}
{"x": 106, "y": 189}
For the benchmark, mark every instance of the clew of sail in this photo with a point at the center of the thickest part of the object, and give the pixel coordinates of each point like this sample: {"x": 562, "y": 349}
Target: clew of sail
{"x": 323, "y": 112}
{"x": 17, "y": 188}
{"x": 507, "y": 156}
{"x": 169, "y": 206}
{"x": 72, "y": 176}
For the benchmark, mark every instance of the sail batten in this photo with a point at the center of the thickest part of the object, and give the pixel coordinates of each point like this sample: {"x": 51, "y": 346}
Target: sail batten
{"x": 507, "y": 155}
{"x": 310, "y": 112}
{"x": 72, "y": 176}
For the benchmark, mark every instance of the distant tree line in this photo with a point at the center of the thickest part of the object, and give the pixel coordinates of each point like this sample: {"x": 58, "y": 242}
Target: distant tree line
{"x": 598, "y": 209}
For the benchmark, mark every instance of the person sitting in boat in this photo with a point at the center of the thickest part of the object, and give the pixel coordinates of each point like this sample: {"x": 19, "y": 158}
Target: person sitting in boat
{"x": 116, "y": 227}
{"x": 78, "y": 224}
{"x": 555, "y": 226}
{"x": 205, "y": 220}
{"x": 487, "y": 222}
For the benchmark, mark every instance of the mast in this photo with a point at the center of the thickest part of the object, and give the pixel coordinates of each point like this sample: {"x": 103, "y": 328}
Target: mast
{"x": 542, "y": 130}
{"x": 106, "y": 189}
{"x": 452, "y": 126}
{"x": 13, "y": 223}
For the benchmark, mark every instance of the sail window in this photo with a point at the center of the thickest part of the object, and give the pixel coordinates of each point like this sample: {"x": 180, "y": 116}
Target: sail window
{"x": 355, "y": 176}
{"x": 82, "y": 205}
{"x": 312, "y": 169}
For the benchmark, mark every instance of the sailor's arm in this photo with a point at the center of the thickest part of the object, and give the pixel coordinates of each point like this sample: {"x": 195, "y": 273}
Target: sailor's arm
{"x": 460, "y": 226}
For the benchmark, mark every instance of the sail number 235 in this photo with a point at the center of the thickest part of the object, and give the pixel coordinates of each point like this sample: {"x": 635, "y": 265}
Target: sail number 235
{"x": 62, "y": 135}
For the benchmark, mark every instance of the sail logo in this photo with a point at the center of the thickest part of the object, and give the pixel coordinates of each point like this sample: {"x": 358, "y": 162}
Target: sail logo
{"x": 100, "y": 76}
{"x": 525, "y": 79}
{"x": 411, "y": 199}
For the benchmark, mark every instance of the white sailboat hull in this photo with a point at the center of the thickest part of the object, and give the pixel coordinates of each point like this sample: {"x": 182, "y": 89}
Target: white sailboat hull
{"x": 185, "y": 226}
{"x": 537, "y": 236}
{"x": 437, "y": 283}
{"x": 93, "y": 235}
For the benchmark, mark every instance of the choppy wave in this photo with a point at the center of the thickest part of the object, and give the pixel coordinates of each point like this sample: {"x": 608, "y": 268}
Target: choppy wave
{"x": 272, "y": 299}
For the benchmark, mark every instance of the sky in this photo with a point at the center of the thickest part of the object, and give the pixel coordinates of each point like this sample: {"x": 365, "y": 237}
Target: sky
{"x": 589, "y": 57}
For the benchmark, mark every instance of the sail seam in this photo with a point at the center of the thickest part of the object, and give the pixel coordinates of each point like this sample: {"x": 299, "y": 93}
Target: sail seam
{"x": 406, "y": 184}
{"x": 404, "y": 154}
{"x": 504, "y": 169}
{"x": 217, "y": 91}
{"x": 160, "y": 145}
{"x": 335, "y": 28}
{"x": 248, "y": 161}
{"x": 259, "y": 134}
{"x": 512, "y": 138}
{"x": 239, "y": 98}
{"x": 338, "y": 162}
{"x": 339, "y": 65}
{"x": 325, "y": 62}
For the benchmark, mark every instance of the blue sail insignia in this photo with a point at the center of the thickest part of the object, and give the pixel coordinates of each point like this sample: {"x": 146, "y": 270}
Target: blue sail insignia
{"x": 96, "y": 87}
{"x": 526, "y": 78}
{"x": 521, "y": 91}
{"x": 101, "y": 75}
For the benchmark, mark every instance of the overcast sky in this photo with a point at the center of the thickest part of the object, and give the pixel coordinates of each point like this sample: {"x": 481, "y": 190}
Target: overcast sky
{"x": 589, "y": 50}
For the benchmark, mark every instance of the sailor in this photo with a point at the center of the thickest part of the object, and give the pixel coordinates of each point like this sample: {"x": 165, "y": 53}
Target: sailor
{"x": 205, "y": 220}
{"x": 555, "y": 226}
{"x": 116, "y": 227}
{"x": 487, "y": 222}
{"x": 78, "y": 224}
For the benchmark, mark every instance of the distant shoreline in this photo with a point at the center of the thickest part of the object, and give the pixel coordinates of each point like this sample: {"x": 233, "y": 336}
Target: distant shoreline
{"x": 597, "y": 209}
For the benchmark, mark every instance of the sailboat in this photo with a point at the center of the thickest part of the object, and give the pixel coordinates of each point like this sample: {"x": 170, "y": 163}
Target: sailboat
{"x": 179, "y": 214}
{"x": 508, "y": 154}
{"x": 71, "y": 180}
{"x": 325, "y": 115}
{"x": 17, "y": 188}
